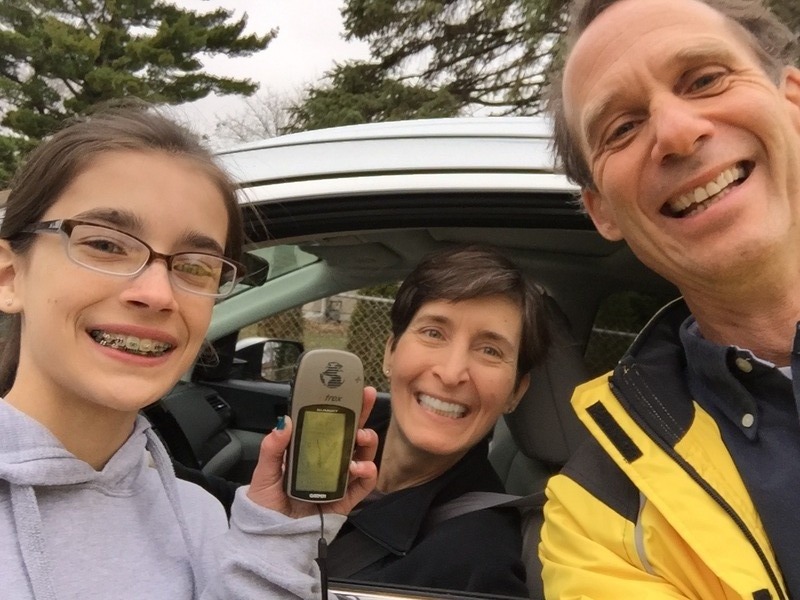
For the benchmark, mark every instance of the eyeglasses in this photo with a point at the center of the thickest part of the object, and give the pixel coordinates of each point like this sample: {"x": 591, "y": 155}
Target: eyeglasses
{"x": 113, "y": 252}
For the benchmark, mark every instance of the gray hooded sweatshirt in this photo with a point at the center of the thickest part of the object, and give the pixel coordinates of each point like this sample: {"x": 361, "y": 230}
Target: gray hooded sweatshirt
{"x": 132, "y": 531}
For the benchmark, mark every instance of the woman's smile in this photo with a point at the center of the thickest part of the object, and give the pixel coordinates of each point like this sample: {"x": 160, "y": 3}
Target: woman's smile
{"x": 442, "y": 407}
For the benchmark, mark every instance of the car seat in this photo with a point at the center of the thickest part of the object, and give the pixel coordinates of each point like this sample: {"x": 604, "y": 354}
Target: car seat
{"x": 532, "y": 443}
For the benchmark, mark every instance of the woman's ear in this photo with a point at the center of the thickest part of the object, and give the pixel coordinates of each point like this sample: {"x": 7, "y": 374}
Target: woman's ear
{"x": 388, "y": 352}
{"x": 518, "y": 393}
{"x": 9, "y": 300}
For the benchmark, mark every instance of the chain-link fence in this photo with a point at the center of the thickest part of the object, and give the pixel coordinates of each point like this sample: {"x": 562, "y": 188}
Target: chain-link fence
{"x": 619, "y": 319}
{"x": 360, "y": 323}
{"x": 355, "y": 322}
{"x": 605, "y": 348}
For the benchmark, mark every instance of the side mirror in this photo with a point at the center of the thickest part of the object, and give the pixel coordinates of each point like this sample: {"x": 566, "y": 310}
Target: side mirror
{"x": 279, "y": 359}
{"x": 268, "y": 359}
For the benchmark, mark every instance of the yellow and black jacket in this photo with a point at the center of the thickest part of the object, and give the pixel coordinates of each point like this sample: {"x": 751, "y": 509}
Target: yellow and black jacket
{"x": 653, "y": 506}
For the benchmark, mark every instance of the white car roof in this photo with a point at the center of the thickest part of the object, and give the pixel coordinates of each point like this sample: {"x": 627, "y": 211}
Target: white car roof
{"x": 489, "y": 154}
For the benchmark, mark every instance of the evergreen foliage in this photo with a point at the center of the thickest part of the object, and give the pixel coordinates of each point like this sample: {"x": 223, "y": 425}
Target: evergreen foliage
{"x": 434, "y": 58}
{"x": 58, "y": 58}
{"x": 364, "y": 93}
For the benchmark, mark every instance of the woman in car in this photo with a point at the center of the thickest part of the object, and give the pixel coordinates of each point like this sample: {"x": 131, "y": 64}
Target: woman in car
{"x": 467, "y": 327}
{"x": 119, "y": 234}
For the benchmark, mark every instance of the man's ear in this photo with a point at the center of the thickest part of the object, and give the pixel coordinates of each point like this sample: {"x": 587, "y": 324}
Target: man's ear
{"x": 9, "y": 302}
{"x": 791, "y": 85}
{"x": 602, "y": 214}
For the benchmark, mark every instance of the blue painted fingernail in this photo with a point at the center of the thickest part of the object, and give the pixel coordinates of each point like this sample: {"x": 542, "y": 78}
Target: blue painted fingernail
{"x": 281, "y": 423}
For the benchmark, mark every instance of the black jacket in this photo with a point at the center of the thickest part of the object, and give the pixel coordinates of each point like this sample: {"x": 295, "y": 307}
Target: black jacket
{"x": 653, "y": 506}
{"x": 476, "y": 552}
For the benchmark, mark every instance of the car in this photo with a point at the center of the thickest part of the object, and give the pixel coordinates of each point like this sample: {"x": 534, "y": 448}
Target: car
{"x": 335, "y": 218}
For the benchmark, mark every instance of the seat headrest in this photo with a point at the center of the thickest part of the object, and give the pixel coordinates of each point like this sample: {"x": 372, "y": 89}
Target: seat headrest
{"x": 544, "y": 425}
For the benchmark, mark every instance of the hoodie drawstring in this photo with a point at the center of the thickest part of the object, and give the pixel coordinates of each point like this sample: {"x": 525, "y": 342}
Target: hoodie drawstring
{"x": 28, "y": 520}
{"x": 163, "y": 466}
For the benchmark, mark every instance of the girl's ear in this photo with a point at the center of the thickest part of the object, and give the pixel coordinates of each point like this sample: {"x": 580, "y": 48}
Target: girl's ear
{"x": 9, "y": 301}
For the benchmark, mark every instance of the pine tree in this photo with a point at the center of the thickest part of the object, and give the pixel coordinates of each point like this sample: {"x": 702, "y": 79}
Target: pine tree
{"x": 434, "y": 58}
{"x": 58, "y": 58}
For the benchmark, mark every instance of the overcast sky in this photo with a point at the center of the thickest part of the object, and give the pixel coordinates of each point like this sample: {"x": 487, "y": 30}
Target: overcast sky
{"x": 308, "y": 43}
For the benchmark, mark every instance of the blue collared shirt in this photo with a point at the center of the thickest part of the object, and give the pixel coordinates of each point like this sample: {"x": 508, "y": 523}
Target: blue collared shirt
{"x": 755, "y": 405}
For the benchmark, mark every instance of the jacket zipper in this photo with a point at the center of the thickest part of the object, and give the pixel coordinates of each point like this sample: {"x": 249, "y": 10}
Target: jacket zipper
{"x": 672, "y": 453}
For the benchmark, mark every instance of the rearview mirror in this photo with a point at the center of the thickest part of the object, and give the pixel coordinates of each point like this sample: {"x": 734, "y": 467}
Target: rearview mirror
{"x": 257, "y": 269}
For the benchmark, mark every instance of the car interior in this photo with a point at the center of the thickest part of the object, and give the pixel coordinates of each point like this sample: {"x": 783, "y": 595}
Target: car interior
{"x": 324, "y": 228}
{"x": 215, "y": 419}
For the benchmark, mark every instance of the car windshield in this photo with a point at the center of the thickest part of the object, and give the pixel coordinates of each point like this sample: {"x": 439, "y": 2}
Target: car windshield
{"x": 349, "y": 213}
{"x": 283, "y": 259}
{"x": 341, "y": 217}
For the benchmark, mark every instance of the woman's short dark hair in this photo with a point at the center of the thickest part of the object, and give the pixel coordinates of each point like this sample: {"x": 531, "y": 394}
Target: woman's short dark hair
{"x": 773, "y": 43}
{"x": 59, "y": 160}
{"x": 467, "y": 272}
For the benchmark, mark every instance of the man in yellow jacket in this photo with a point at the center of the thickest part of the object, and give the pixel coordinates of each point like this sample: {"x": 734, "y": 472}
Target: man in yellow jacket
{"x": 680, "y": 121}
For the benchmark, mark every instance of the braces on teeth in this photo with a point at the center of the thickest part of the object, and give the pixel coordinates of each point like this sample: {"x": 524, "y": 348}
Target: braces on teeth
{"x": 130, "y": 343}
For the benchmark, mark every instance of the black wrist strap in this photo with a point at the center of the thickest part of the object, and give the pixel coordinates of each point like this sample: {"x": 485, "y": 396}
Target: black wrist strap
{"x": 322, "y": 556}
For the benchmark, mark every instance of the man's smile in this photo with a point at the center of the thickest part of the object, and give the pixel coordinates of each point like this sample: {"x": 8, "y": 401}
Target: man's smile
{"x": 703, "y": 196}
